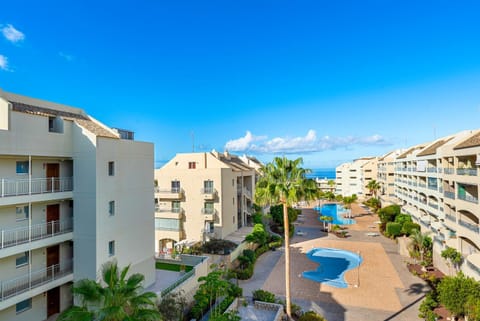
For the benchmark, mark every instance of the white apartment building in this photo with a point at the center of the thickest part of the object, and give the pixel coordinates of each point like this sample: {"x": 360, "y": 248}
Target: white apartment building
{"x": 438, "y": 184}
{"x": 200, "y": 196}
{"x": 351, "y": 178}
{"x": 74, "y": 194}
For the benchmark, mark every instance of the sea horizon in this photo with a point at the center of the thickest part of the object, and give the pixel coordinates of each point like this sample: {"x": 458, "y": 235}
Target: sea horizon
{"x": 328, "y": 173}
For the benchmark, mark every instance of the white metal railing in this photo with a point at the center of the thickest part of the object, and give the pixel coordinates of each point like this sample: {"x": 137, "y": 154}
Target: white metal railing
{"x": 25, "y": 186}
{"x": 247, "y": 193}
{"x": 208, "y": 190}
{"x": 21, "y": 235}
{"x": 33, "y": 279}
{"x": 173, "y": 190}
{"x": 207, "y": 210}
{"x": 176, "y": 210}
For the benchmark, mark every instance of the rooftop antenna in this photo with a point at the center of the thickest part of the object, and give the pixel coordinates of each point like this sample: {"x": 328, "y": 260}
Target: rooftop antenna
{"x": 193, "y": 141}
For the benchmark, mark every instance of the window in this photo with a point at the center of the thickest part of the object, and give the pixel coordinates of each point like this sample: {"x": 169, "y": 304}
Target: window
{"x": 111, "y": 248}
{"x": 175, "y": 186}
{"x": 22, "y": 167}
{"x": 208, "y": 208}
{"x": 176, "y": 207}
{"x": 23, "y": 306}
{"x": 111, "y": 168}
{"x": 22, "y": 212}
{"x": 208, "y": 187}
{"x": 111, "y": 208}
{"x": 55, "y": 124}
{"x": 22, "y": 259}
{"x": 168, "y": 224}
{"x": 191, "y": 165}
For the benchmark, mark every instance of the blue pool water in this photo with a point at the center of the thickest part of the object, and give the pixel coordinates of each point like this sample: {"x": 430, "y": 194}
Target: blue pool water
{"x": 333, "y": 263}
{"x": 335, "y": 211}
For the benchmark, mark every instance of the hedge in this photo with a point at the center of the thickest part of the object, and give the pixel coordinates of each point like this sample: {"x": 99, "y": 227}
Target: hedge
{"x": 393, "y": 229}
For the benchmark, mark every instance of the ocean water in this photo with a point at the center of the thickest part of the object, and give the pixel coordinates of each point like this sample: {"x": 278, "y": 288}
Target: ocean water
{"x": 328, "y": 173}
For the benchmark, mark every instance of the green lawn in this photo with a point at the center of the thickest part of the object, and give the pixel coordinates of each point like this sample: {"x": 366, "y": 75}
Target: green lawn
{"x": 171, "y": 267}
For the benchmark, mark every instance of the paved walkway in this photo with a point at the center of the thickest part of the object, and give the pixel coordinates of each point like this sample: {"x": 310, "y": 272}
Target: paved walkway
{"x": 381, "y": 289}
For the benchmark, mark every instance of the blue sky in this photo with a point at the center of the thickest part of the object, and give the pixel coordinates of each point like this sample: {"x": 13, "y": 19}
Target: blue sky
{"x": 330, "y": 81}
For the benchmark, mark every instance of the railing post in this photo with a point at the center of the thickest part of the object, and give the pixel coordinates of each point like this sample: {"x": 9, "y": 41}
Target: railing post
{"x": 53, "y": 184}
{"x": 53, "y": 226}
{"x": 3, "y": 187}
{"x": 3, "y": 237}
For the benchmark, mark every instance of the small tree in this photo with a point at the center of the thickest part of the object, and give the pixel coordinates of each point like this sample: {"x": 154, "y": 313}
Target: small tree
{"x": 171, "y": 307}
{"x": 455, "y": 291}
{"x": 326, "y": 220}
{"x": 452, "y": 256}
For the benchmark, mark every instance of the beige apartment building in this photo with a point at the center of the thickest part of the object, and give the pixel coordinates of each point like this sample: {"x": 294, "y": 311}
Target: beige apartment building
{"x": 438, "y": 184}
{"x": 74, "y": 194}
{"x": 386, "y": 177}
{"x": 200, "y": 196}
{"x": 351, "y": 178}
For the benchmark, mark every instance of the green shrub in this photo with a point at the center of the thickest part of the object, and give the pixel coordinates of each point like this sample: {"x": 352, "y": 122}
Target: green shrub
{"x": 257, "y": 218}
{"x": 250, "y": 254}
{"x": 311, "y": 316}
{"x": 258, "y": 235}
{"x": 393, "y": 229}
{"x": 261, "y": 249}
{"x": 277, "y": 214}
{"x": 403, "y": 218}
{"x": 408, "y": 227}
{"x": 216, "y": 246}
{"x": 275, "y": 244}
{"x": 245, "y": 273}
{"x": 427, "y": 305}
{"x": 388, "y": 214}
{"x": 262, "y": 295}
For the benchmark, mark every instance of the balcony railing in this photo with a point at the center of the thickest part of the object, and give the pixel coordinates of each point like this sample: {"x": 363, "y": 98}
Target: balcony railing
{"x": 25, "y": 186}
{"x": 433, "y": 187}
{"x": 33, "y": 279}
{"x": 423, "y": 185}
{"x": 473, "y": 266}
{"x": 21, "y": 235}
{"x": 177, "y": 210}
{"x": 471, "y": 226}
{"x": 467, "y": 171}
{"x": 173, "y": 190}
{"x": 450, "y": 218}
{"x": 449, "y": 194}
{"x": 208, "y": 190}
{"x": 468, "y": 198}
{"x": 208, "y": 211}
{"x": 448, "y": 171}
{"x": 431, "y": 170}
{"x": 435, "y": 206}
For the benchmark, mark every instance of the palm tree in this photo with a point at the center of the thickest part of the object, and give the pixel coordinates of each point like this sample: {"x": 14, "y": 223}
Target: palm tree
{"x": 331, "y": 183}
{"x": 347, "y": 202}
{"x": 284, "y": 182}
{"x": 120, "y": 299}
{"x": 420, "y": 244}
{"x": 373, "y": 186}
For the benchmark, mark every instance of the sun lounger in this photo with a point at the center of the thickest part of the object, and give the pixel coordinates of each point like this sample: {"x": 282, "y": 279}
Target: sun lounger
{"x": 372, "y": 234}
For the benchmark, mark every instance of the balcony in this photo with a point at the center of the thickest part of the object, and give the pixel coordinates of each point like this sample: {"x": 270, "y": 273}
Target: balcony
{"x": 34, "y": 279}
{"x": 174, "y": 193}
{"x": 449, "y": 195}
{"x": 209, "y": 193}
{"x": 432, "y": 205}
{"x": 473, "y": 262}
{"x": 25, "y": 186}
{"x": 468, "y": 198}
{"x": 431, "y": 170}
{"x": 433, "y": 187}
{"x": 467, "y": 171}
{"x": 173, "y": 212}
{"x": 22, "y": 235}
{"x": 209, "y": 213}
{"x": 471, "y": 226}
{"x": 449, "y": 171}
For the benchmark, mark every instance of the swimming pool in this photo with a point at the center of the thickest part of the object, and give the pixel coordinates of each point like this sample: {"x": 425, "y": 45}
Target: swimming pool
{"x": 335, "y": 211}
{"x": 333, "y": 263}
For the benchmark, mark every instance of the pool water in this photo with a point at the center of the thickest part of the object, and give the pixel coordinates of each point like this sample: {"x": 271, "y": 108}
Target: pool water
{"x": 333, "y": 263}
{"x": 335, "y": 211}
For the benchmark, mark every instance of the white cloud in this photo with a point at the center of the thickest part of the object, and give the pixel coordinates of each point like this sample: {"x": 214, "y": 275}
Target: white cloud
{"x": 66, "y": 56}
{"x": 304, "y": 144}
{"x": 242, "y": 143}
{"x": 12, "y": 34}
{"x": 3, "y": 62}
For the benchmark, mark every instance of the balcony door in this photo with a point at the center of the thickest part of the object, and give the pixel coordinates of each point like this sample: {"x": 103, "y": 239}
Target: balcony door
{"x": 53, "y": 173}
{"x": 53, "y": 218}
{"x": 175, "y": 186}
{"x": 208, "y": 187}
{"x": 53, "y": 301}
{"x": 53, "y": 259}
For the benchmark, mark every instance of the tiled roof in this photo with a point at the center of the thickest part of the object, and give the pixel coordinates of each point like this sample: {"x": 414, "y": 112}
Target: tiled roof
{"x": 234, "y": 162}
{"x": 472, "y": 141}
{"x": 82, "y": 120}
{"x": 432, "y": 149}
{"x": 404, "y": 155}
